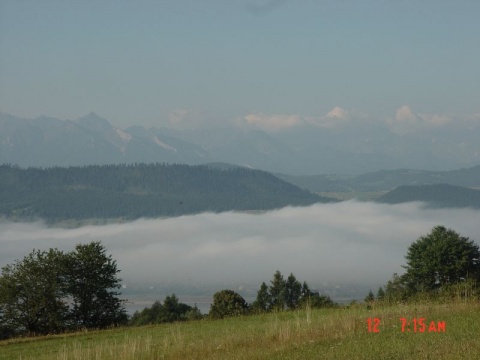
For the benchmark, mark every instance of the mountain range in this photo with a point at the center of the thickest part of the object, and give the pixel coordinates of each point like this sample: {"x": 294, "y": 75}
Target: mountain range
{"x": 310, "y": 150}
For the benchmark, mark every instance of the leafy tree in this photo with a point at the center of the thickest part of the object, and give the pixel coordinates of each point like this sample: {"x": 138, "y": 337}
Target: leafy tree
{"x": 262, "y": 302}
{"x": 171, "y": 310}
{"x": 6, "y": 330}
{"x": 148, "y": 315}
{"x": 293, "y": 292}
{"x": 277, "y": 291}
{"x": 50, "y": 291}
{"x": 32, "y": 294}
{"x": 370, "y": 297}
{"x": 193, "y": 313}
{"x": 92, "y": 280}
{"x": 441, "y": 258}
{"x": 227, "y": 303}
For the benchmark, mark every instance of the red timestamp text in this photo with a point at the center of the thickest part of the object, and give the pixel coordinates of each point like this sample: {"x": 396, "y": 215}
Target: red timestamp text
{"x": 373, "y": 325}
{"x": 416, "y": 325}
{"x": 422, "y": 325}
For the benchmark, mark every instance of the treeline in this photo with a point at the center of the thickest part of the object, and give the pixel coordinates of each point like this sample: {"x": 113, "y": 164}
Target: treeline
{"x": 282, "y": 294}
{"x": 49, "y": 292}
{"x": 140, "y": 190}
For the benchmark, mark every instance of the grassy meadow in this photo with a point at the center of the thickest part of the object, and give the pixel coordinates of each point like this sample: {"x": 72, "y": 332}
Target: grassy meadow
{"x": 303, "y": 334}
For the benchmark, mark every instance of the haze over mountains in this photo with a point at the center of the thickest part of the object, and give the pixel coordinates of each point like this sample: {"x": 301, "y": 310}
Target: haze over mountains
{"x": 305, "y": 150}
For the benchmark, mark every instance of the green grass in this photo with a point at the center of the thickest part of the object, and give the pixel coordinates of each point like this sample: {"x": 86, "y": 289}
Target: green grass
{"x": 304, "y": 334}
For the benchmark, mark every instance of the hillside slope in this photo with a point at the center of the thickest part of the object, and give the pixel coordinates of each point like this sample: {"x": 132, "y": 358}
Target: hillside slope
{"x": 133, "y": 191}
{"x": 438, "y": 195}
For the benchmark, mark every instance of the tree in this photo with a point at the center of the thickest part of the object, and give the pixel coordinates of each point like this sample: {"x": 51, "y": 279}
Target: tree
{"x": 370, "y": 297}
{"x": 380, "y": 293}
{"x": 396, "y": 289}
{"x": 6, "y": 330}
{"x": 277, "y": 291}
{"x": 171, "y": 310}
{"x": 92, "y": 280}
{"x": 317, "y": 301}
{"x": 227, "y": 303}
{"x": 442, "y": 257}
{"x": 194, "y": 313}
{"x": 50, "y": 291}
{"x": 32, "y": 294}
{"x": 262, "y": 302}
{"x": 305, "y": 290}
{"x": 148, "y": 315}
{"x": 293, "y": 292}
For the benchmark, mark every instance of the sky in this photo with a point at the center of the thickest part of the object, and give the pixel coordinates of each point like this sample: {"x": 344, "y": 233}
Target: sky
{"x": 210, "y": 62}
{"x": 328, "y": 245}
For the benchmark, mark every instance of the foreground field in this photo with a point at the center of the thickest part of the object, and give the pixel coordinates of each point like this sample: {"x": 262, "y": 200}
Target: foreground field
{"x": 305, "y": 334}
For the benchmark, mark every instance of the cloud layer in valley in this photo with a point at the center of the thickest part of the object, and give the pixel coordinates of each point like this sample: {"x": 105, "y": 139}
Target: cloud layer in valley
{"x": 342, "y": 244}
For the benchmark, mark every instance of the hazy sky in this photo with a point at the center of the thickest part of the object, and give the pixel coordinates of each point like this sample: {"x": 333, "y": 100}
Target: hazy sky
{"x": 347, "y": 243}
{"x": 150, "y": 62}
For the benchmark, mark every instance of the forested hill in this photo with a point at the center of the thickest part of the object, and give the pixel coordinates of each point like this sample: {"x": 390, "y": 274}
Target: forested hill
{"x": 140, "y": 190}
{"x": 438, "y": 195}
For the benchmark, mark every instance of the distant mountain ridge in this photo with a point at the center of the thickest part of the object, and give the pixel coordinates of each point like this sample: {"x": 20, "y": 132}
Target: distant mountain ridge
{"x": 85, "y": 141}
{"x": 385, "y": 180}
{"x": 437, "y": 195}
{"x": 309, "y": 150}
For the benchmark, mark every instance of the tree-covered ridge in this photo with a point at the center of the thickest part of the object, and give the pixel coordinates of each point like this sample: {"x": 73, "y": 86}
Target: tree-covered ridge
{"x": 140, "y": 190}
{"x": 441, "y": 195}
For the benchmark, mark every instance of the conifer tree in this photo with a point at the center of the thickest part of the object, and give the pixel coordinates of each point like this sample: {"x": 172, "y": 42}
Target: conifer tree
{"x": 263, "y": 300}
{"x": 380, "y": 293}
{"x": 293, "y": 292}
{"x": 370, "y": 297}
{"x": 277, "y": 292}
